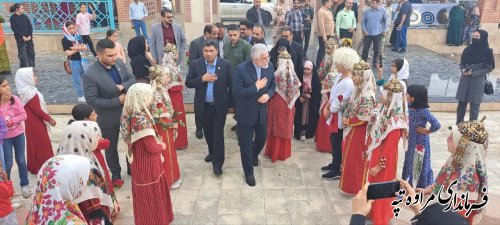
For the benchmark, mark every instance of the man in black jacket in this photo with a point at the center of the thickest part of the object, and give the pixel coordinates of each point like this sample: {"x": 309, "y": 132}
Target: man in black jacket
{"x": 212, "y": 78}
{"x": 257, "y": 14}
{"x": 196, "y": 52}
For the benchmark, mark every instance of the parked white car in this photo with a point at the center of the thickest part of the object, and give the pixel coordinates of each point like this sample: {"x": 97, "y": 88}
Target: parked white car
{"x": 236, "y": 10}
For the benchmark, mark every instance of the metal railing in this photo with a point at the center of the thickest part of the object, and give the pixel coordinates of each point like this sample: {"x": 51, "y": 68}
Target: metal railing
{"x": 49, "y": 16}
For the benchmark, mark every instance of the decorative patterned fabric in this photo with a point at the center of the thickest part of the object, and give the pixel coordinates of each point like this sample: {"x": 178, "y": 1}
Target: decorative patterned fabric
{"x": 287, "y": 82}
{"x": 162, "y": 105}
{"x": 61, "y": 180}
{"x": 467, "y": 165}
{"x": 137, "y": 120}
{"x": 172, "y": 69}
{"x": 393, "y": 115}
{"x": 81, "y": 138}
{"x": 362, "y": 104}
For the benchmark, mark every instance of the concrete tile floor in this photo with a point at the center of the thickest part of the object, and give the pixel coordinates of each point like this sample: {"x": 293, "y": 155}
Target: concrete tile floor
{"x": 289, "y": 192}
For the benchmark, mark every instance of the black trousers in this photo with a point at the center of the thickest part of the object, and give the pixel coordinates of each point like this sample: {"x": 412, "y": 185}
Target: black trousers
{"x": 87, "y": 40}
{"x": 112, "y": 158}
{"x": 367, "y": 43}
{"x": 297, "y": 36}
{"x": 336, "y": 141}
{"x": 462, "y": 108}
{"x": 344, "y": 33}
{"x": 213, "y": 128}
{"x": 321, "y": 49}
{"x": 26, "y": 53}
{"x": 307, "y": 38}
{"x": 198, "y": 118}
{"x": 250, "y": 146}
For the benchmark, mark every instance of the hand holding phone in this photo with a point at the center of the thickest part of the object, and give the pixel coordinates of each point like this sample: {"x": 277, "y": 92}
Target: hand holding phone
{"x": 383, "y": 190}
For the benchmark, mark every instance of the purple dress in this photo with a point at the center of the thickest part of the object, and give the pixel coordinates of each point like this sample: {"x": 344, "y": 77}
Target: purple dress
{"x": 420, "y": 118}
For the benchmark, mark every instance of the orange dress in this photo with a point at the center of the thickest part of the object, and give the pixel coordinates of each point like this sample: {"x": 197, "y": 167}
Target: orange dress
{"x": 381, "y": 212}
{"x": 170, "y": 164}
{"x": 175, "y": 93}
{"x": 354, "y": 164}
{"x": 322, "y": 138}
{"x": 279, "y": 129}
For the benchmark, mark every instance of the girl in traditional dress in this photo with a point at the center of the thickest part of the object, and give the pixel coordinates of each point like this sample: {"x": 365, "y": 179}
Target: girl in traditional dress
{"x": 390, "y": 126}
{"x": 360, "y": 112}
{"x": 39, "y": 147}
{"x": 328, "y": 74}
{"x": 305, "y": 125}
{"x": 281, "y": 110}
{"x": 82, "y": 138}
{"x": 85, "y": 112}
{"x": 163, "y": 112}
{"x": 418, "y": 154}
{"x": 175, "y": 87}
{"x": 466, "y": 166}
{"x": 61, "y": 180}
{"x": 150, "y": 192}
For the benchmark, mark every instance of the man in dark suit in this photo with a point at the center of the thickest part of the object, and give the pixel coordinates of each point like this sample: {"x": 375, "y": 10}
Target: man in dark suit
{"x": 297, "y": 52}
{"x": 196, "y": 52}
{"x": 253, "y": 86}
{"x": 212, "y": 78}
{"x": 257, "y": 15}
{"x": 105, "y": 84}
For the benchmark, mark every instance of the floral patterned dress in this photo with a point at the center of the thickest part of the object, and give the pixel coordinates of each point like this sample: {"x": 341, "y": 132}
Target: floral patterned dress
{"x": 420, "y": 118}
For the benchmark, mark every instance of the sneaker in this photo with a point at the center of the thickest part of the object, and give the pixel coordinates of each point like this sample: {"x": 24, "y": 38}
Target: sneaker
{"x": 402, "y": 50}
{"x": 176, "y": 185}
{"x": 328, "y": 168}
{"x": 303, "y": 138}
{"x": 26, "y": 192}
{"x": 81, "y": 99}
{"x": 395, "y": 50}
{"x": 332, "y": 175}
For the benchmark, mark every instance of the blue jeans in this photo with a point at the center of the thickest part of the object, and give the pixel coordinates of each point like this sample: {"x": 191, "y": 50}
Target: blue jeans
{"x": 401, "y": 40}
{"x": 2, "y": 160}
{"x": 141, "y": 25}
{"x": 18, "y": 143}
{"x": 76, "y": 76}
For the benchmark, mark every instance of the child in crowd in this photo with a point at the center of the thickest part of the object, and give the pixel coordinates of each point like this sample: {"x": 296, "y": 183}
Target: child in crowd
{"x": 417, "y": 168}
{"x": 113, "y": 35}
{"x": 14, "y": 141}
{"x": 7, "y": 213}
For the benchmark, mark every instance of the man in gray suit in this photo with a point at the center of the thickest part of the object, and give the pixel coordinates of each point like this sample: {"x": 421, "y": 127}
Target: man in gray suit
{"x": 167, "y": 32}
{"x": 104, "y": 85}
{"x": 196, "y": 52}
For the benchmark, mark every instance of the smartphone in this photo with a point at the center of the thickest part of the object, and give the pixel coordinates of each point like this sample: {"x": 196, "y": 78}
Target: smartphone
{"x": 380, "y": 64}
{"x": 383, "y": 190}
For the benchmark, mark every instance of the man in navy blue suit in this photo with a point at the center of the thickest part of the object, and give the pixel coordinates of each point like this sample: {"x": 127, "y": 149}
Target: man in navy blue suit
{"x": 253, "y": 86}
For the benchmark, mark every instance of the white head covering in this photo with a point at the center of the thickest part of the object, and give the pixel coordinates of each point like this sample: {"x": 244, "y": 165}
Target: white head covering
{"x": 404, "y": 73}
{"x": 25, "y": 85}
{"x": 61, "y": 180}
{"x": 287, "y": 82}
{"x": 171, "y": 67}
{"x": 136, "y": 120}
{"x": 81, "y": 138}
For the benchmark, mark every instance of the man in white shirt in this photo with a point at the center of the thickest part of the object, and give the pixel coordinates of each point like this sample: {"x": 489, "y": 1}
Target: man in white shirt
{"x": 83, "y": 25}
{"x": 138, "y": 14}
{"x": 344, "y": 59}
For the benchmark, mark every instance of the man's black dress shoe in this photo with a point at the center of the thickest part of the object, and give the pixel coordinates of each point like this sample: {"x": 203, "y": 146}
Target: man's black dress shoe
{"x": 250, "y": 180}
{"x": 199, "y": 134}
{"x": 208, "y": 158}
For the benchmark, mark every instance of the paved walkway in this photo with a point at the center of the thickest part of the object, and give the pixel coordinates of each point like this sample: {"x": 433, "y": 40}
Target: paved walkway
{"x": 289, "y": 192}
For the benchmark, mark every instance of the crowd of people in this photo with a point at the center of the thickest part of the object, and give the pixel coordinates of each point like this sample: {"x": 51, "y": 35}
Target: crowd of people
{"x": 277, "y": 94}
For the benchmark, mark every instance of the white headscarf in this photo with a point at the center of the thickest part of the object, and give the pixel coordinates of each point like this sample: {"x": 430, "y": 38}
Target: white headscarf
{"x": 61, "y": 180}
{"x": 287, "y": 82}
{"x": 81, "y": 138}
{"x": 404, "y": 72}
{"x": 25, "y": 85}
